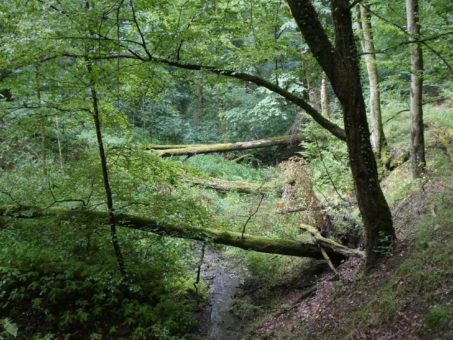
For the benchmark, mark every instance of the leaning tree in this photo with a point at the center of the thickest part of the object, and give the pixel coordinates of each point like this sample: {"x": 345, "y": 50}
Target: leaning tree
{"x": 334, "y": 49}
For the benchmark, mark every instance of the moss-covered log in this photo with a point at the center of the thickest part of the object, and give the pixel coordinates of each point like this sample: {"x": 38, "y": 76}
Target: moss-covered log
{"x": 307, "y": 247}
{"x": 321, "y": 206}
{"x": 227, "y": 147}
{"x": 170, "y": 146}
{"x": 222, "y": 185}
{"x": 397, "y": 160}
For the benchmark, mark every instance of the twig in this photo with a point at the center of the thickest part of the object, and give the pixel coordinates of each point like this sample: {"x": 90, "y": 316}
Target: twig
{"x": 197, "y": 281}
{"x": 329, "y": 262}
{"x": 406, "y": 110}
{"x": 65, "y": 201}
{"x": 422, "y": 41}
{"x": 257, "y": 208}
{"x": 10, "y": 196}
{"x": 142, "y": 37}
{"x": 253, "y": 214}
{"x": 328, "y": 173}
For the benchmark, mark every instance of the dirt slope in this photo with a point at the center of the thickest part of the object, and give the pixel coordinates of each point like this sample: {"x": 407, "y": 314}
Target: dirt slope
{"x": 409, "y": 296}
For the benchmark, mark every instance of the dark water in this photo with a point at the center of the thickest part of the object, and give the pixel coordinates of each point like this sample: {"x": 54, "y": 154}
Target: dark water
{"x": 224, "y": 277}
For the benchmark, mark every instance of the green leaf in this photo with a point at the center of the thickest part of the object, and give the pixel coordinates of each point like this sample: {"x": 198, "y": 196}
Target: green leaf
{"x": 10, "y": 327}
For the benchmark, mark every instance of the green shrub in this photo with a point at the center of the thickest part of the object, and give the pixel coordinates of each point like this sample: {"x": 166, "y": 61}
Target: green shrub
{"x": 73, "y": 288}
{"x": 437, "y": 318}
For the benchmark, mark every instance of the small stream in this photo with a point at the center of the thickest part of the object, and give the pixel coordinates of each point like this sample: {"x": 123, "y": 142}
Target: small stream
{"x": 224, "y": 276}
{"x": 228, "y": 278}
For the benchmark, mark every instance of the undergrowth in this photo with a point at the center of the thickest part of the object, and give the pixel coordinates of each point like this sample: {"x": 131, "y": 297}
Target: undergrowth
{"x": 422, "y": 282}
{"x": 60, "y": 279}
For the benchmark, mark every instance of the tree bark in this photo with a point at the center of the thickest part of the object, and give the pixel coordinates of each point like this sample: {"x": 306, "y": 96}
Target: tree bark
{"x": 304, "y": 247}
{"x": 418, "y": 160}
{"x": 378, "y": 140}
{"x": 340, "y": 63}
{"x": 227, "y": 147}
{"x": 324, "y": 97}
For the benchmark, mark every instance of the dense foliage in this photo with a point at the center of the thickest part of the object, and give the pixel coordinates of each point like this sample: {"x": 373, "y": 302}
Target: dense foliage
{"x": 59, "y": 278}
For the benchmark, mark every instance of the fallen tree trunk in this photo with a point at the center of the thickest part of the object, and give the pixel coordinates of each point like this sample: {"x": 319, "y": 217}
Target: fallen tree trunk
{"x": 226, "y": 147}
{"x": 307, "y": 247}
{"x": 170, "y": 146}
{"x": 398, "y": 160}
{"x": 321, "y": 206}
{"x": 222, "y": 185}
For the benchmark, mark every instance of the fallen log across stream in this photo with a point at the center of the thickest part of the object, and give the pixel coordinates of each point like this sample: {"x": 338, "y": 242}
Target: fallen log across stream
{"x": 305, "y": 247}
{"x": 188, "y": 150}
{"x": 223, "y": 185}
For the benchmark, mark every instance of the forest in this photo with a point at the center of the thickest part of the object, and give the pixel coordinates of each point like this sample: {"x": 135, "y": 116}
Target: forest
{"x": 226, "y": 169}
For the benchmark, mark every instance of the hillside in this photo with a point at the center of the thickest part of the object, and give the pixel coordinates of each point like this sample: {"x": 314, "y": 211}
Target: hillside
{"x": 409, "y": 295}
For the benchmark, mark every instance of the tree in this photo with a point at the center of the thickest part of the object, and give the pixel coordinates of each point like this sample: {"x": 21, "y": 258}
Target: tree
{"x": 340, "y": 63}
{"x": 378, "y": 140}
{"x": 324, "y": 97}
{"x": 418, "y": 160}
{"x": 105, "y": 172}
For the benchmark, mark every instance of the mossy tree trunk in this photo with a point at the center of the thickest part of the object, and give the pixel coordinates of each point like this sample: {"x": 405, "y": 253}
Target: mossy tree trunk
{"x": 223, "y": 185}
{"x": 341, "y": 65}
{"x": 378, "y": 140}
{"x": 416, "y": 87}
{"x": 309, "y": 246}
{"x": 227, "y": 147}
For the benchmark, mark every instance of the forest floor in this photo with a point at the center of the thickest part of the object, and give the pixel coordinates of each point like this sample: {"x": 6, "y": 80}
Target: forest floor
{"x": 409, "y": 296}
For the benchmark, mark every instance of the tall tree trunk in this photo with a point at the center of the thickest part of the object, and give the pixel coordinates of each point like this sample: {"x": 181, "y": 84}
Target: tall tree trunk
{"x": 324, "y": 97}
{"x": 378, "y": 140}
{"x": 60, "y": 149}
{"x": 341, "y": 65}
{"x": 200, "y": 99}
{"x": 43, "y": 125}
{"x": 142, "y": 111}
{"x": 416, "y": 86}
{"x": 105, "y": 172}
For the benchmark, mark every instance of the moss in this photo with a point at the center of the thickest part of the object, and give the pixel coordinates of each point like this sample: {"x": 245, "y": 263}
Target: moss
{"x": 437, "y": 318}
{"x": 417, "y": 281}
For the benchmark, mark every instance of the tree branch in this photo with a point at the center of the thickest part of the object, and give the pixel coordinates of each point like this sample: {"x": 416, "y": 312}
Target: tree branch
{"x": 306, "y": 247}
{"x": 423, "y": 41}
{"x": 310, "y": 110}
